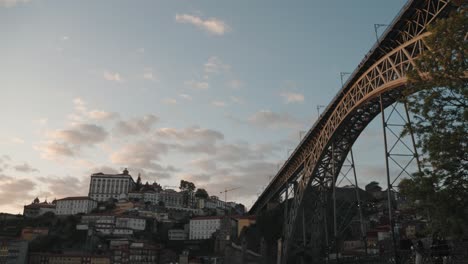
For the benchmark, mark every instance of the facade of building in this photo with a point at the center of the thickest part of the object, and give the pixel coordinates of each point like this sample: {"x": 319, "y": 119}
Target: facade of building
{"x": 75, "y": 205}
{"x": 30, "y": 233}
{"x": 36, "y": 208}
{"x": 203, "y": 227}
{"x": 171, "y": 198}
{"x": 135, "y": 253}
{"x": 70, "y": 258}
{"x": 176, "y": 234}
{"x": 244, "y": 222}
{"x": 145, "y": 196}
{"x": 105, "y": 186}
{"x": 13, "y": 251}
{"x": 134, "y": 223}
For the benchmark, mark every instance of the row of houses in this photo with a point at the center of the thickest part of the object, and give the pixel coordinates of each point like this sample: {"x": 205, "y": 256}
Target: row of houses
{"x": 103, "y": 187}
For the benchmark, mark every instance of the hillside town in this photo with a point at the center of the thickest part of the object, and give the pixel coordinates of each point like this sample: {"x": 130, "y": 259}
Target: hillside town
{"x": 123, "y": 220}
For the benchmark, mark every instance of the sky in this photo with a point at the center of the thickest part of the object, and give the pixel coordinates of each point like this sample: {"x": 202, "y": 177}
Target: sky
{"x": 214, "y": 92}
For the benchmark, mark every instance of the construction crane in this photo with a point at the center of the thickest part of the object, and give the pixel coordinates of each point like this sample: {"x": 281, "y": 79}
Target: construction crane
{"x": 225, "y": 195}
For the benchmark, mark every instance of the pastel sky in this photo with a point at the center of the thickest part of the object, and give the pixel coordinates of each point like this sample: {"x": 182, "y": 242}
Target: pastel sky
{"x": 215, "y": 92}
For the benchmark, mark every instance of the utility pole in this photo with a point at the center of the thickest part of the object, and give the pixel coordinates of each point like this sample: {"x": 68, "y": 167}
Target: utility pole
{"x": 376, "y": 27}
{"x": 318, "y": 110}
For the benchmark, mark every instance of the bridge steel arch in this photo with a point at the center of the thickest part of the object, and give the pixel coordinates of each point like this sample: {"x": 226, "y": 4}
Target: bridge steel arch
{"x": 374, "y": 85}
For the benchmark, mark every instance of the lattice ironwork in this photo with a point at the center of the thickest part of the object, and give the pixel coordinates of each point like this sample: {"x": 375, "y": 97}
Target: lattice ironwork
{"x": 381, "y": 74}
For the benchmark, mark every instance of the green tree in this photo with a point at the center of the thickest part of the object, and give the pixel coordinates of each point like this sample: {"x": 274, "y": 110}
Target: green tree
{"x": 201, "y": 193}
{"x": 373, "y": 186}
{"x": 138, "y": 183}
{"x": 437, "y": 95}
{"x": 187, "y": 186}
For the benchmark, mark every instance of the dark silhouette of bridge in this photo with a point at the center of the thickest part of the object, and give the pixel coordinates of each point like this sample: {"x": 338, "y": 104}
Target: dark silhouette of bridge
{"x": 376, "y": 84}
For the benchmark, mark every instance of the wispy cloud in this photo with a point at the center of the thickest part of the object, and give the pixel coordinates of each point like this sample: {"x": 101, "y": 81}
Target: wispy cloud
{"x": 235, "y": 84}
{"x": 197, "y": 85}
{"x": 186, "y": 97}
{"x": 267, "y": 118}
{"x": 149, "y": 75}
{"x": 112, "y": 76}
{"x": 170, "y": 101}
{"x": 10, "y": 3}
{"x": 215, "y": 65}
{"x": 212, "y": 25}
{"x": 291, "y": 97}
{"x": 219, "y": 103}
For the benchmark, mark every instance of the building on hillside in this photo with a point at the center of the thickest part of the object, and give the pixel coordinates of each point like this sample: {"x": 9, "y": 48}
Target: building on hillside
{"x": 243, "y": 221}
{"x": 176, "y": 234}
{"x": 68, "y": 258}
{"x": 30, "y": 233}
{"x": 13, "y": 251}
{"x": 36, "y": 208}
{"x": 171, "y": 198}
{"x": 145, "y": 196}
{"x": 131, "y": 222}
{"x": 134, "y": 252}
{"x": 111, "y": 225}
{"x": 203, "y": 227}
{"x": 105, "y": 186}
{"x": 75, "y": 205}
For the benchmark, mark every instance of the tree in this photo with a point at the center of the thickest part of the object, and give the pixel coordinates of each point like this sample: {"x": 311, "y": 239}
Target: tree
{"x": 201, "y": 193}
{"x": 187, "y": 186}
{"x": 138, "y": 183}
{"x": 437, "y": 95}
{"x": 373, "y": 186}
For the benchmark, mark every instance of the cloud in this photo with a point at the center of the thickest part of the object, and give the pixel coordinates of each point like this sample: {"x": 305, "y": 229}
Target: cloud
{"x": 68, "y": 142}
{"x": 53, "y": 150}
{"x": 41, "y": 121}
{"x": 267, "y": 118}
{"x": 149, "y": 75}
{"x": 25, "y": 168}
{"x": 219, "y": 103}
{"x": 60, "y": 187}
{"x": 197, "y": 85}
{"x": 235, "y": 84}
{"x": 142, "y": 154}
{"x": 215, "y": 65}
{"x": 186, "y": 97}
{"x": 192, "y": 139}
{"x": 170, "y": 101}
{"x": 136, "y": 126}
{"x": 204, "y": 164}
{"x": 290, "y": 97}
{"x": 17, "y": 140}
{"x": 112, "y": 76}
{"x": 14, "y": 191}
{"x": 237, "y": 100}
{"x": 212, "y": 25}
{"x": 11, "y": 3}
{"x": 82, "y": 134}
{"x": 101, "y": 115}
{"x": 82, "y": 114}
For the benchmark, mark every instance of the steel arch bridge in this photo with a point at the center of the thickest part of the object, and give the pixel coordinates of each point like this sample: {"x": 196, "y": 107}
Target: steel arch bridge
{"x": 375, "y": 84}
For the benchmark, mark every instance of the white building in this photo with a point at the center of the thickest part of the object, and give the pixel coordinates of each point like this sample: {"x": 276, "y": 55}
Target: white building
{"x": 171, "y": 198}
{"x": 36, "y": 208}
{"x": 104, "y": 186}
{"x": 75, "y": 205}
{"x": 204, "y": 227}
{"x": 131, "y": 222}
{"x": 176, "y": 234}
{"x": 145, "y": 196}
